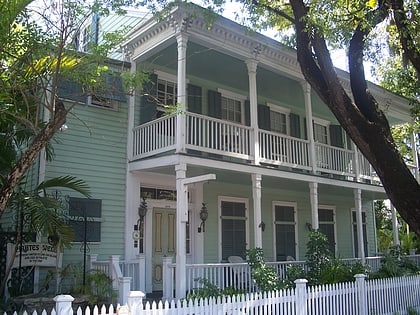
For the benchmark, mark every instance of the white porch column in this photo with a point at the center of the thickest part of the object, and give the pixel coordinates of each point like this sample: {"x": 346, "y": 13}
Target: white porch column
{"x": 130, "y": 118}
{"x": 313, "y": 187}
{"x": 252, "y": 77}
{"x": 359, "y": 222}
{"x": 256, "y": 196}
{"x": 181, "y": 219}
{"x": 308, "y": 109}
{"x": 182, "y": 40}
{"x": 414, "y": 140}
{"x": 356, "y": 164}
{"x": 395, "y": 236}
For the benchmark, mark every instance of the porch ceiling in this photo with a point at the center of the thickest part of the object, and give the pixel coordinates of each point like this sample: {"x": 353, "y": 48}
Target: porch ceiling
{"x": 271, "y": 179}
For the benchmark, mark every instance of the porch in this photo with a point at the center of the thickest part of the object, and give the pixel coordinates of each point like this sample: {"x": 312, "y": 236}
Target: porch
{"x": 223, "y": 275}
{"x": 197, "y": 134}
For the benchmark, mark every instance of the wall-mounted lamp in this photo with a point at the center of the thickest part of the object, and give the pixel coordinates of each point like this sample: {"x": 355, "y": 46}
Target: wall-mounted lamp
{"x": 309, "y": 226}
{"x": 204, "y": 214}
{"x": 142, "y": 210}
{"x": 262, "y": 226}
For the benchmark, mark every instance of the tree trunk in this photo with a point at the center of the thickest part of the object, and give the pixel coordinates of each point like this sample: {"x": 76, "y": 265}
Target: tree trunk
{"x": 362, "y": 119}
{"x": 23, "y": 164}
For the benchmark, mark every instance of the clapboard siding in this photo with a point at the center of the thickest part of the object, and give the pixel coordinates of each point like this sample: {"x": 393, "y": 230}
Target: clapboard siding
{"x": 93, "y": 148}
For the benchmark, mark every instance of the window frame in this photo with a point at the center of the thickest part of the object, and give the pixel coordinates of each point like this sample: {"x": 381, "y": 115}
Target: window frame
{"x": 325, "y": 124}
{"x": 295, "y": 217}
{"x": 365, "y": 231}
{"x": 334, "y": 222}
{"x": 283, "y": 111}
{"x": 90, "y": 219}
{"x": 219, "y": 207}
{"x": 235, "y": 97}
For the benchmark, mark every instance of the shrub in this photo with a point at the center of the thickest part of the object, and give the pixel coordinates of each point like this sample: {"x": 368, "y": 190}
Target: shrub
{"x": 264, "y": 276}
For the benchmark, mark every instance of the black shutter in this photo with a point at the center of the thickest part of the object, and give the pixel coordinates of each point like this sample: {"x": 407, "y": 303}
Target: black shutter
{"x": 194, "y": 98}
{"x": 294, "y": 125}
{"x": 247, "y": 108}
{"x": 114, "y": 87}
{"x": 215, "y": 104}
{"x": 148, "y": 100}
{"x": 264, "y": 117}
{"x": 336, "y": 136}
{"x": 70, "y": 90}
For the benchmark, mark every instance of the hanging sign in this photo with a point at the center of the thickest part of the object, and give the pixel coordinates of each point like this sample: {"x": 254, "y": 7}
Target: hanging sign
{"x": 36, "y": 254}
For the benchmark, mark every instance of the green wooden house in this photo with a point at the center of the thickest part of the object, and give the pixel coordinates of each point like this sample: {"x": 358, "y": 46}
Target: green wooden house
{"x": 248, "y": 157}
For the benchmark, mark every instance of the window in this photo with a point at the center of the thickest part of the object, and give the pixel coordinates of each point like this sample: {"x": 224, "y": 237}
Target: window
{"x": 85, "y": 219}
{"x": 326, "y": 217}
{"x": 279, "y": 119}
{"x": 231, "y": 110}
{"x": 86, "y": 35}
{"x": 355, "y": 235}
{"x": 285, "y": 231}
{"x": 232, "y": 106}
{"x": 233, "y": 229}
{"x": 320, "y": 132}
{"x": 167, "y": 92}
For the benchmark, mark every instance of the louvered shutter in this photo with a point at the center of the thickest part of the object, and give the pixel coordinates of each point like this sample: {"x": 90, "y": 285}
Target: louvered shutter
{"x": 194, "y": 98}
{"x": 148, "y": 100}
{"x": 264, "y": 117}
{"x": 294, "y": 125}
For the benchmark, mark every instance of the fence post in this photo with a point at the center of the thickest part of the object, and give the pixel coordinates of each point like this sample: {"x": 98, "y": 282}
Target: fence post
{"x": 168, "y": 285}
{"x": 142, "y": 272}
{"x": 135, "y": 301}
{"x": 124, "y": 289}
{"x": 114, "y": 260}
{"x": 301, "y": 296}
{"x": 361, "y": 293}
{"x": 92, "y": 258}
{"x": 63, "y": 304}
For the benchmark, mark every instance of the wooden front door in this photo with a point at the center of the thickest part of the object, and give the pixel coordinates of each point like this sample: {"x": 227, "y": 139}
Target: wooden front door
{"x": 164, "y": 242}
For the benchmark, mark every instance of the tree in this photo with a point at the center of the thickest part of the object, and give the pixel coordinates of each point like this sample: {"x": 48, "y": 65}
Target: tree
{"x": 35, "y": 57}
{"x": 320, "y": 25}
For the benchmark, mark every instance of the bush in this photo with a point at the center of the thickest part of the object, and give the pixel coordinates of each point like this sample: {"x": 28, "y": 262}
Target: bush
{"x": 264, "y": 276}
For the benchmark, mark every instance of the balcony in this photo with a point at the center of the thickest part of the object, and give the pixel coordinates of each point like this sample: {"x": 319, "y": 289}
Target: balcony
{"x": 220, "y": 138}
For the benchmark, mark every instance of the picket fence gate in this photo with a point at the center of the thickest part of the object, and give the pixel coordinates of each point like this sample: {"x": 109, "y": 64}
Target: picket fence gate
{"x": 362, "y": 297}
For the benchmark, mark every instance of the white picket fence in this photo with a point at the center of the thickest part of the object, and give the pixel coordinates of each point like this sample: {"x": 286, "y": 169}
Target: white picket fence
{"x": 362, "y": 297}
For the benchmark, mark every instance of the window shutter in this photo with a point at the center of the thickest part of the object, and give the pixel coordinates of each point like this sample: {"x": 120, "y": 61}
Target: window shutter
{"x": 94, "y": 31}
{"x": 247, "y": 107}
{"x": 70, "y": 90}
{"x": 114, "y": 87}
{"x": 148, "y": 100}
{"x": 215, "y": 104}
{"x": 294, "y": 125}
{"x": 194, "y": 98}
{"x": 264, "y": 117}
{"x": 336, "y": 136}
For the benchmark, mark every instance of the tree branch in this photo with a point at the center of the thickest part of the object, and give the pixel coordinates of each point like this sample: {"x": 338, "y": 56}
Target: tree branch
{"x": 407, "y": 42}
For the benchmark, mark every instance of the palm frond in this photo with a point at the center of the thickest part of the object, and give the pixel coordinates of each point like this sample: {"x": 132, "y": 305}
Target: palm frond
{"x": 67, "y": 181}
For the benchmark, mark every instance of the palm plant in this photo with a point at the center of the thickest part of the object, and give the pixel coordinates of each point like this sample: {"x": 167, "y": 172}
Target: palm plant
{"x": 44, "y": 213}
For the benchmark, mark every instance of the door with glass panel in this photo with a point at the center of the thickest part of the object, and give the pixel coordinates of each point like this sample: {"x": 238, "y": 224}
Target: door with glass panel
{"x": 164, "y": 242}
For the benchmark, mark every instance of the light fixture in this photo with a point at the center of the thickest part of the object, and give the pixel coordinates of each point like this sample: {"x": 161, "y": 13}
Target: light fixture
{"x": 262, "y": 226}
{"x": 142, "y": 209}
{"x": 309, "y": 226}
{"x": 204, "y": 214}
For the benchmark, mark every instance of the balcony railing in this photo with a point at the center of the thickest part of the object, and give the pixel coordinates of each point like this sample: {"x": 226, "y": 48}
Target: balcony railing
{"x": 227, "y": 139}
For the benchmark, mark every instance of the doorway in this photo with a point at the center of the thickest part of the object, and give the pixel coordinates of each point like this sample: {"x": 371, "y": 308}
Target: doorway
{"x": 164, "y": 242}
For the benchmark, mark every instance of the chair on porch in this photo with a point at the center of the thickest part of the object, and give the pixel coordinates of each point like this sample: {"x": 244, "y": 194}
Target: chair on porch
{"x": 241, "y": 273}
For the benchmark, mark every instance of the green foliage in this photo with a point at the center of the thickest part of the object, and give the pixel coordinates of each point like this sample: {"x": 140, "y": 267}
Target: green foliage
{"x": 394, "y": 265}
{"x": 323, "y": 267}
{"x": 96, "y": 289}
{"x": 209, "y": 290}
{"x": 264, "y": 276}
{"x": 318, "y": 255}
